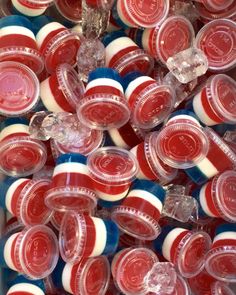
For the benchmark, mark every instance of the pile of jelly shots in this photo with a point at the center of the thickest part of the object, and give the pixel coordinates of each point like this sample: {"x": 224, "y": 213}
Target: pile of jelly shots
{"x": 118, "y": 147}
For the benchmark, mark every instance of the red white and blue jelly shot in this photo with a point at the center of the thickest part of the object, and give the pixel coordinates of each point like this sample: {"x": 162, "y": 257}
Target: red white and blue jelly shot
{"x": 18, "y": 42}
{"x": 182, "y": 142}
{"x": 128, "y": 13}
{"x": 175, "y": 34}
{"x": 217, "y": 39}
{"x": 126, "y": 137}
{"x": 129, "y": 268}
{"x": 20, "y": 154}
{"x": 71, "y": 187}
{"x": 124, "y": 55}
{"x": 221, "y": 259}
{"x": 217, "y": 197}
{"x": 25, "y": 288}
{"x": 216, "y": 102}
{"x": 184, "y": 248}
{"x": 151, "y": 167}
{"x": 62, "y": 91}
{"x": 57, "y": 44}
{"x": 25, "y": 199}
{"x": 150, "y": 103}
{"x": 140, "y": 211}
{"x": 112, "y": 170}
{"x": 31, "y": 8}
{"x": 89, "y": 276}
{"x": 19, "y": 89}
{"x": 104, "y": 105}
{"x": 32, "y": 252}
{"x": 86, "y": 236}
{"x": 211, "y": 165}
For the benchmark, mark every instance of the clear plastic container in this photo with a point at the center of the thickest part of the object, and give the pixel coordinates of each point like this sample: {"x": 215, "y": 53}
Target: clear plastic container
{"x": 175, "y": 34}
{"x": 128, "y": 277}
{"x": 112, "y": 170}
{"x": 71, "y": 187}
{"x": 145, "y": 15}
{"x": 63, "y": 90}
{"x": 216, "y": 102}
{"x": 182, "y": 145}
{"x": 19, "y": 89}
{"x": 217, "y": 40}
{"x": 216, "y": 5}
{"x": 140, "y": 211}
{"x": 90, "y": 276}
{"x": 219, "y": 288}
{"x": 71, "y": 10}
{"x": 221, "y": 259}
{"x": 85, "y": 236}
{"x": 35, "y": 251}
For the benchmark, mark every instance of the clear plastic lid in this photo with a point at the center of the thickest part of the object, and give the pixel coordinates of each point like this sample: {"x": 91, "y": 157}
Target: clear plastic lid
{"x": 19, "y": 89}
{"x": 153, "y": 105}
{"x": 103, "y": 111}
{"x": 216, "y": 5}
{"x": 71, "y": 10}
{"x": 219, "y": 288}
{"x": 62, "y": 48}
{"x": 56, "y": 219}
{"x": 22, "y": 156}
{"x": 164, "y": 172}
{"x": 182, "y": 145}
{"x": 72, "y": 237}
{"x": 221, "y": 263}
{"x": 27, "y": 56}
{"x": 137, "y": 60}
{"x": 31, "y": 207}
{"x": 70, "y": 84}
{"x": 71, "y": 198}
{"x": 146, "y": 14}
{"x": 191, "y": 253}
{"x": 93, "y": 142}
{"x": 112, "y": 165}
{"x": 175, "y": 34}
{"x": 221, "y": 92}
{"x": 93, "y": 277}
{"x": 217, "y": 40}
{"x": 37, "y": 251}
{"x": 182, "y": 287}
{"x": 223, "y": 194}
{"x": 130, "y": 268}
{"x": 135, "y": 223}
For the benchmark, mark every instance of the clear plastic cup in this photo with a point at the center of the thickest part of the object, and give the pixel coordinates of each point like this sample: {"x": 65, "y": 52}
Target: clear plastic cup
{"x": 219, "y": 288}
{"x": 217, "y": 40}
{"x": 71, "y": 10}
{"x": 71, "y": 187}
{"x": 112, "y": 170}
{"x": 221, "y": 259}
{"x": 150, "y": 102}
{"x": 175, "y": 34}
{"x": 90, "y": 276}
{"x": 216, "y": 102}
{"x": 145, "y": 14}
{"x": 140, "y": 211}
{"x": 19, "y": 89}
{"x": 127, "y": 276}
{"x": 86, "y": 236}
{"x": 63, "y": 90}
{"x": 182, "y": 145}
